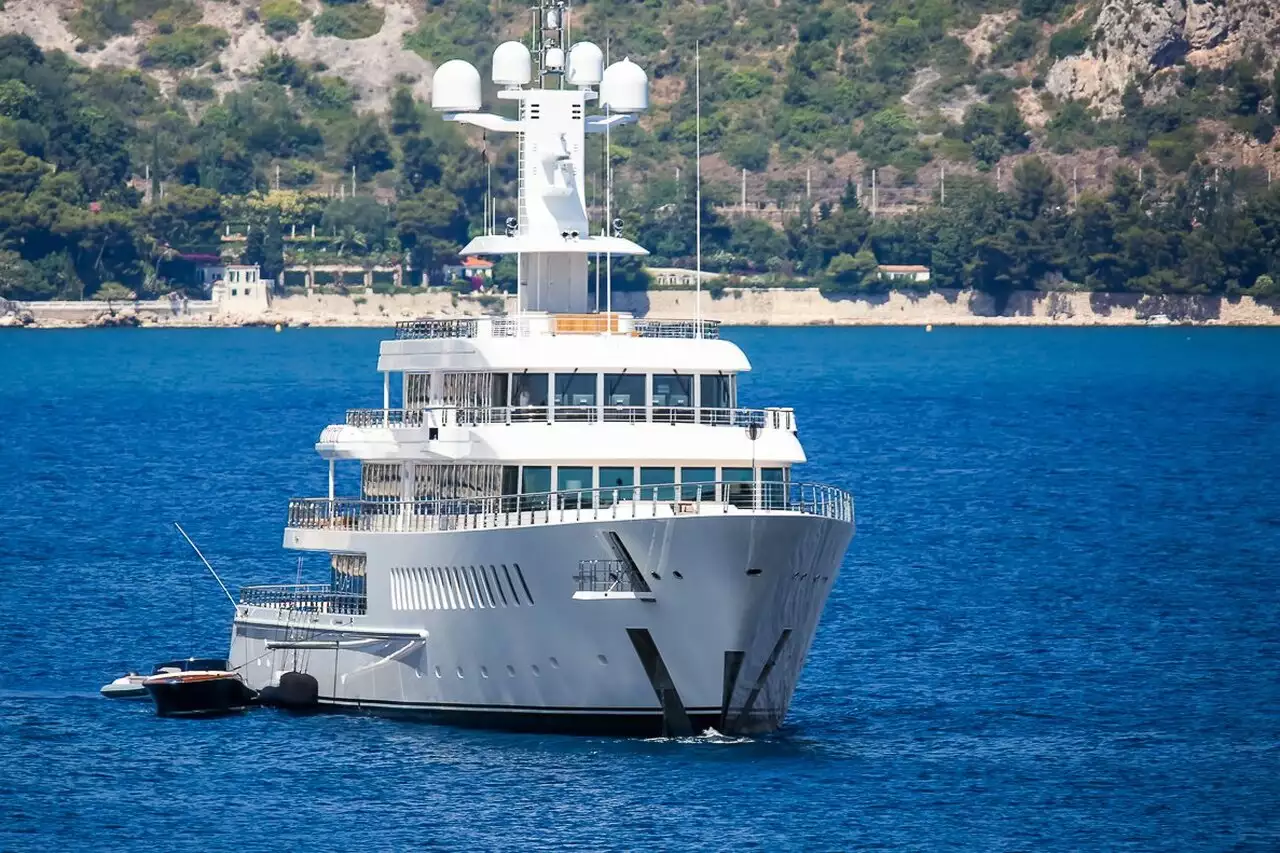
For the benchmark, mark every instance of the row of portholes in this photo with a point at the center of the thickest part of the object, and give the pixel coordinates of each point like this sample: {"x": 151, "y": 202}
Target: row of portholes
{"x": 511, "y": 670}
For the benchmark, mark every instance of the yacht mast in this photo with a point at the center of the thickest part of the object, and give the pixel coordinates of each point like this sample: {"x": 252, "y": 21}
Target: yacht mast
{"x": 550, "y": 234}
{"x": 697, "y": 202}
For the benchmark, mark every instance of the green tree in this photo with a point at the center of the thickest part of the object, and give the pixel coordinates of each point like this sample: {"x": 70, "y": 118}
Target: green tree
{"x": 186, "y": 218}
{"x": 369, "y": 149}
{"x": 431, "y": 226}
{"x": 405, "y": 116}
{"x": 20, "y": 279}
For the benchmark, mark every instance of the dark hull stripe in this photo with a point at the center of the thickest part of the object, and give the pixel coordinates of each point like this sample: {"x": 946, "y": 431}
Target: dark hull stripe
{"x": 628, "y": 722}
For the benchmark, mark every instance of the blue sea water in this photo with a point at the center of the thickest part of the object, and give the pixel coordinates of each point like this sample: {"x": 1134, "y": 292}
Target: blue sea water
{"x": 1058, "y": 627}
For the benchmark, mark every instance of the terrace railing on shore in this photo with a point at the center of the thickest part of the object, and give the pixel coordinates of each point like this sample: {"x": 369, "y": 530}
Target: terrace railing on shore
{"x": 721, "y": 497}
{"x": 307, "y": 598}
{"x": 551, "y": 324}
{"x": 477, "y": 416}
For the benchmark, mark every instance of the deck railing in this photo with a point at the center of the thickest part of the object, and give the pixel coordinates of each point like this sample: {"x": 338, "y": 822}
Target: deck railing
{"x": 608, "y": 576}
{"x": 307, "y": 598}
{"x": 552, "y": 324}
{"x": 721, "y": 497}
{"x": 476, "y": 416}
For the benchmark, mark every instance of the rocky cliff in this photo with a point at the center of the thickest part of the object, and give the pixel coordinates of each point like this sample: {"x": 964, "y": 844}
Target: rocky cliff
{"x": 1135, "y": 39}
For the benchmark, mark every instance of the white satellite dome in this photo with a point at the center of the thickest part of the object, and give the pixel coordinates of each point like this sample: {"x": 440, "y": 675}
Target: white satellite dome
{"x": 455, "y": 87}
{"x": 512, "y": 64}
{"x": 554, "y": 58}
{"x": 625, "y": 88}
{"x": 586, "y": 65}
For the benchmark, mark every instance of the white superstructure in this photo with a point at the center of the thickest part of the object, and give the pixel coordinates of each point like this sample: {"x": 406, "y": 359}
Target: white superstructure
{"x": 564, "y": 518}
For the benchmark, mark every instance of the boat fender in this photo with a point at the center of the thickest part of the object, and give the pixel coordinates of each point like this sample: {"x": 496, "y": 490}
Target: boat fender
{"x": 296, "y": 691}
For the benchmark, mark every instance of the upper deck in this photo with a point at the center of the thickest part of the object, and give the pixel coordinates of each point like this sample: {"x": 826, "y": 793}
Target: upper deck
{"x": 551, "y": 325}
{"x": 560, "y": 343}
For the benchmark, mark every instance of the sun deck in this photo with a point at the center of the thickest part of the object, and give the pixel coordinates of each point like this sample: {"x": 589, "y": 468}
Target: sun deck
{"x": 549, "y": 325}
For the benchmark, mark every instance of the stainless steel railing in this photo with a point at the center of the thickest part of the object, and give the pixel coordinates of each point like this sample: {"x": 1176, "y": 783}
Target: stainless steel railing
{"x": 519, "y": 327}
{"x": 608, "y": 576}
{"x": 483, "y": 415}
{"x": 721, "y": 497}
{"x": 307, "y": 598}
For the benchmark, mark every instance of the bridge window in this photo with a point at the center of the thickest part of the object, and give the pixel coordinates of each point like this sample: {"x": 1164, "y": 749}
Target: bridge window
{"x": 529, "y": 397}
{"x": 624, "y": 396}
{"x": 575, "y": 396}
{"x": 672, "y": 398}
{"x": 716, "y": 392}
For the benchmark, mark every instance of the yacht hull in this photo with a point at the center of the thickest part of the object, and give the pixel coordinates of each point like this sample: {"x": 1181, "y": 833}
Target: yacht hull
{"x": 490, "y": 627}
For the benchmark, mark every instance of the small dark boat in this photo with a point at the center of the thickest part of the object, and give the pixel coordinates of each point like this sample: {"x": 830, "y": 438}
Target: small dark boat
{"x": 198, "y": 687}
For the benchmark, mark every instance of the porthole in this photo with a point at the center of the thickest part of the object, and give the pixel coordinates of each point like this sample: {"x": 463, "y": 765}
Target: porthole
{"x": 678, "y": 575}
{"x": 753, "y": 572}
{"x": 535, "y": 669}
{"x": 484, "y": 673}
{"x": 555, "y": 663}
{"x": 460, "y": 675}
{"x": 655, "y": 576}
{"x": 437, "y": 672}
{"x": 604, "y": 661}
{"x": 511, "y": 670}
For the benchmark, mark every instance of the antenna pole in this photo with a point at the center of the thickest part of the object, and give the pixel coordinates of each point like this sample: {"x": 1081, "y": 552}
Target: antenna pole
{"x": 697, "y": 192}
{"x": 225, "y": 591}
{"x": 608, "y": 207}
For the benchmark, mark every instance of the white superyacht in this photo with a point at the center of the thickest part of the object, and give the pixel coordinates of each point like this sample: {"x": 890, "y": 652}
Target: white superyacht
{"x": 567, "y": 523}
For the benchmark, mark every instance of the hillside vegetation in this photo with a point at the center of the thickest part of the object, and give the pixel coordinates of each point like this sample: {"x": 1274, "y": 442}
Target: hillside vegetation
{"x": 218, "y": 104}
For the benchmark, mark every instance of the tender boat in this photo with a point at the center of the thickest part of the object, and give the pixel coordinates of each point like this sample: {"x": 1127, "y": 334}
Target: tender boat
{"x": 131, "y": 686}
{"x": 198, "y": 686}
{"x": 126, "y": 687}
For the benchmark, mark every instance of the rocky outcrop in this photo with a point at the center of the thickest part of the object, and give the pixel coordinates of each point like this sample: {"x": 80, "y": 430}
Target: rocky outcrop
{"x": 1133, "y": 38}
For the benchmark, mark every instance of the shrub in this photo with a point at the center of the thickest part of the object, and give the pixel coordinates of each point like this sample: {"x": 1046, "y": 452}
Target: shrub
{"x": 1069, "y": 42}
{"x": 186, "y": 48}
{"x": 353, "y": 21}
{"x": 1018, "y": 44}
{"x": 196, "y": 89}
{"x": 282, "y": 17}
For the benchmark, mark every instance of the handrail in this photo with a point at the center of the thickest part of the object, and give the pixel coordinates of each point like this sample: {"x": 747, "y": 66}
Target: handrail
{"x": 553, "y": 324}
{"x": 304, "y": 597}
{"x": 723, "y": 497}
{"x": 710, "y": 329}
{"x": 773, "y": 418}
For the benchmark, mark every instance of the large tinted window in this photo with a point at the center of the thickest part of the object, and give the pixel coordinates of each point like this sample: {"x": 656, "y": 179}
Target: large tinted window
{"x": 574, "y": 485}
{"x": 616, "y": 483}
{"x": 672, "y": 390}
{"x": 529, "y": 396}
{"x": 697, "y": 483}
{"x": 575, "y": 389}
{"x": 773, "y": 491}
{"x": 672, "y": 398}
{"x": 657, "y": 477}
{"x": 742, "y": 495}
{"x": 715, "y": 392}
{"x": 624, "y": 389}
{"x": 535, "y": 481}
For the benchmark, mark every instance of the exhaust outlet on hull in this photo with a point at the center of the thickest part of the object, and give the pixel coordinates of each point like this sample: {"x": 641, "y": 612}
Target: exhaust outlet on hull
{"x": 675, "y": 719}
